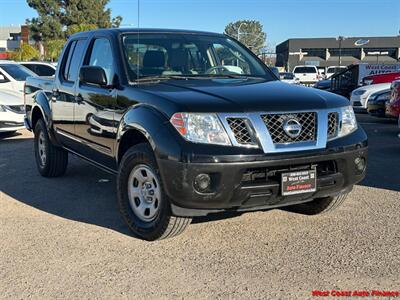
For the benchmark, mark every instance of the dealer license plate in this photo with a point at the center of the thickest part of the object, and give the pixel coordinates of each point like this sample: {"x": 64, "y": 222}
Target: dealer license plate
{"x": 299, "y": 182}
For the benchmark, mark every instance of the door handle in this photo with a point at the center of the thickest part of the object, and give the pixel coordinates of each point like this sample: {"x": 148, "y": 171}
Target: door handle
{"x": 79, "y": 99}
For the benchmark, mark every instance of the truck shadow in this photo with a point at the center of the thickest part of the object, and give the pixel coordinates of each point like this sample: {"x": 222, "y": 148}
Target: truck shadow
{"x": 84, "y": 194}
{"x": 87, "y": 194}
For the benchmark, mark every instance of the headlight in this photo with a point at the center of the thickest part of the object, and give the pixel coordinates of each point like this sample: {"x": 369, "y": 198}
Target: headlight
{"x": 359, "y": 92}
{"x": 200, "y": 128}
{"x": 349, "y": 122}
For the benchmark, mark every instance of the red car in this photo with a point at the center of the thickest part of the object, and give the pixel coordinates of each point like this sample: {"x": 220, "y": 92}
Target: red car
{"x": 381, "y": 78}
{"x": 393, "y": 105}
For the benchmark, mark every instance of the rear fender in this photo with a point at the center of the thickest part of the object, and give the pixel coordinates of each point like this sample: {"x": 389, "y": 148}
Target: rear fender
{"x": 42, "y": 102}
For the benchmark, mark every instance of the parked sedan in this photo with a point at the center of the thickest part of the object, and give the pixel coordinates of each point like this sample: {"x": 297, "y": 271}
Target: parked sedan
{"x": 12, "y": 111}
{"x": 13, "y": 76}
{"x": 40, "y": 68}
{"x": 289, "y": 78}
{"x": 377, "y": 103}
{"x": 393, "y": 105}
{"x": 323, "y": 84}
{"x": 359, "y": 97}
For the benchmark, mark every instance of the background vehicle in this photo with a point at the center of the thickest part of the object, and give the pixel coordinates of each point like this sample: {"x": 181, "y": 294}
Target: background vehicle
{"x": 359, "y": 97}
{"x": 344, "y": 82}
{"x": 381, "y": 78}
{"x": 13, "y": 76}
{"x": 393, "y": 105}
{"x": 274, "y": 70}
{"x": 323, "y": 84}
{"x": 377, "y": 103}
{"x": 289, "y": 78}
{"x": 12, "y": 111}
{"x": 40, "y": 68}
{"x": 187, "y": 136}
{"x": 306, "y": 74}
{"x": 333, "y": 70}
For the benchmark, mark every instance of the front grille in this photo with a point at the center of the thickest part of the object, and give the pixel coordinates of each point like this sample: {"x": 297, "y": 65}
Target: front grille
{"x": 240, "y": 130}
{"x": 275, "y": 125}
{"x": 333, "y": 122}
{"x": 18, "y": 109}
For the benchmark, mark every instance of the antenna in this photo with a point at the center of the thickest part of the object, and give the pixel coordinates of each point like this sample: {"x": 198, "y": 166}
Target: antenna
{"x": 138, "y": 40}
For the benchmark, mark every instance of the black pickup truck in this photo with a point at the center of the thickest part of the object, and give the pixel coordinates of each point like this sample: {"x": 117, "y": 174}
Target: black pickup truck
{"x": 192, "y": 123}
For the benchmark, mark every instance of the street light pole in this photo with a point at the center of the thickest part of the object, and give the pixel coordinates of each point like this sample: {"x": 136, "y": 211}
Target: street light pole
{"x": 238, "y": 30}
{"x": 340, "y": 39}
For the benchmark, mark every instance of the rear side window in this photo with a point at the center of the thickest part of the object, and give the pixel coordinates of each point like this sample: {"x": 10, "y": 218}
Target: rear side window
{"x": 305, "y": 70}
{"x": 75, "y": 55}
{"x": 101, "y": 56}
{"x": 43, "y": 70}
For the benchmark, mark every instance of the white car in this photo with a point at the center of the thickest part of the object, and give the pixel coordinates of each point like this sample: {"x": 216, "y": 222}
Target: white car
{"x": 334, "y": 69}
{"x": 307, "y": 74}
{"x": 289, "y": 78}
{"x": 40, "y": 68}
{"x": 13, "y": 76}
{"x": 12, "y": 111}
{"x": 359, "y": 97}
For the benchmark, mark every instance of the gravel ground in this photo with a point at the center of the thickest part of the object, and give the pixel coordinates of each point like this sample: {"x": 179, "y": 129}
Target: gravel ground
{"x": 63, "y": 238}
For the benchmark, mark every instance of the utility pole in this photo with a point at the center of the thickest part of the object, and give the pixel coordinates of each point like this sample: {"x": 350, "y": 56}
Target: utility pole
{"x": 238, "y": 30}
{"x": 340, "y": 39}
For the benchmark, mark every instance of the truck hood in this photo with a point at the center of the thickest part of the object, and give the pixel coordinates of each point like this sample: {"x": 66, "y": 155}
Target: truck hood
{"x": 9, "y": 97}
{"x": 242, "y": 95}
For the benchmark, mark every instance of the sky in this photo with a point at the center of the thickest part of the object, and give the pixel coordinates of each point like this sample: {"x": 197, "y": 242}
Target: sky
{"x": 282, "y": 19}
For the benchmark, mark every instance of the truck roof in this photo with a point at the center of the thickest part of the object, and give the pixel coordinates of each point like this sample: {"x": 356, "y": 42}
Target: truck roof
{"x": 118, "y": 31}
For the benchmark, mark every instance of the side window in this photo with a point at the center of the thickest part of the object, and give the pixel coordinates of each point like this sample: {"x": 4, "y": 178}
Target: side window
{"x": 68, "y": 61}
{"x": 101, "y": 56}
{"x": 43, "y": 70}
{"x": 76, "y": 59}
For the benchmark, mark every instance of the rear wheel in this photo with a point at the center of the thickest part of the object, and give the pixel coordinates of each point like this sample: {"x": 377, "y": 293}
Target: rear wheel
{"x": 141, "y": 198}
{"x": 51, "y": 160}
{"x": 318, "y": 206}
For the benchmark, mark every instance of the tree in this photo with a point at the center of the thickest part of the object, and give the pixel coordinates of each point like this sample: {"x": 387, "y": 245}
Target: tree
{"x": 248, "y": 32}
{"x": 79, "y": 28}
{"x": 53, "y": 49}
{"x": 25, "y": 53}
{"x": 56, "y": 17}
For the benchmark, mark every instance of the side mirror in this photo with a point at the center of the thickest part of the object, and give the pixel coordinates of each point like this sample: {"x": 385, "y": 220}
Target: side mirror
{"x": 93, "y": 75}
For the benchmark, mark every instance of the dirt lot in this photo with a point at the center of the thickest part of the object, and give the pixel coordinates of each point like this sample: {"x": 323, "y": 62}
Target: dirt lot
{"x": 63, "y": 238}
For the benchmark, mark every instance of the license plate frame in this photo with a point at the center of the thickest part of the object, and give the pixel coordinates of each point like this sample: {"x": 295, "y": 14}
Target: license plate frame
{"x": 299, "y": 182}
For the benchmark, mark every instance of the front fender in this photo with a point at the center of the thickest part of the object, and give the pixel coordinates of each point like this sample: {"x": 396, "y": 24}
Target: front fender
{"x": 155, "y": 127}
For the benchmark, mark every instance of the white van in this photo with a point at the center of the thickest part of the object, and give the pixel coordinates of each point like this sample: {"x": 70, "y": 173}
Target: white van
{"x": 307, "y": 74}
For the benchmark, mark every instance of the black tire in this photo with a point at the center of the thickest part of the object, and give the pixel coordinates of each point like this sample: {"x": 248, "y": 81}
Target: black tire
{"x": 164, "y": 225}
{"x": 318, "y": 206}
{"x": 56, "y": 158}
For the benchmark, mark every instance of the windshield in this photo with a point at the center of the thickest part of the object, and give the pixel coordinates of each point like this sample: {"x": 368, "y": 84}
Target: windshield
{"x": 18, "y": 72}
{"x": 189, "y": 55}
{"x": 305, "y": 70}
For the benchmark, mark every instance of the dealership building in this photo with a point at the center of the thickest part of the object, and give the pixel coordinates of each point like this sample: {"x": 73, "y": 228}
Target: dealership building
{"x": 344, "y": 51}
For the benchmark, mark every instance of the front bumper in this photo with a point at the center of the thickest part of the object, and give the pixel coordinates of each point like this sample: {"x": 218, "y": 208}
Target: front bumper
{"x": 11, "y": 121}
{"x": 241, "y": 183}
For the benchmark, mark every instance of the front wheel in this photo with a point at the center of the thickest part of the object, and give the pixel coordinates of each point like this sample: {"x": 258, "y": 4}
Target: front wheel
{"x": 318, "y": 206}
{"x": 141, "y": 198}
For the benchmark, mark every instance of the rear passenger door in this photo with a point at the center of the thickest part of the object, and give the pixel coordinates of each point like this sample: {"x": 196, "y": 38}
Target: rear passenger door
{"x": 63, "y": 99}
{"x": 95, "y": 106}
